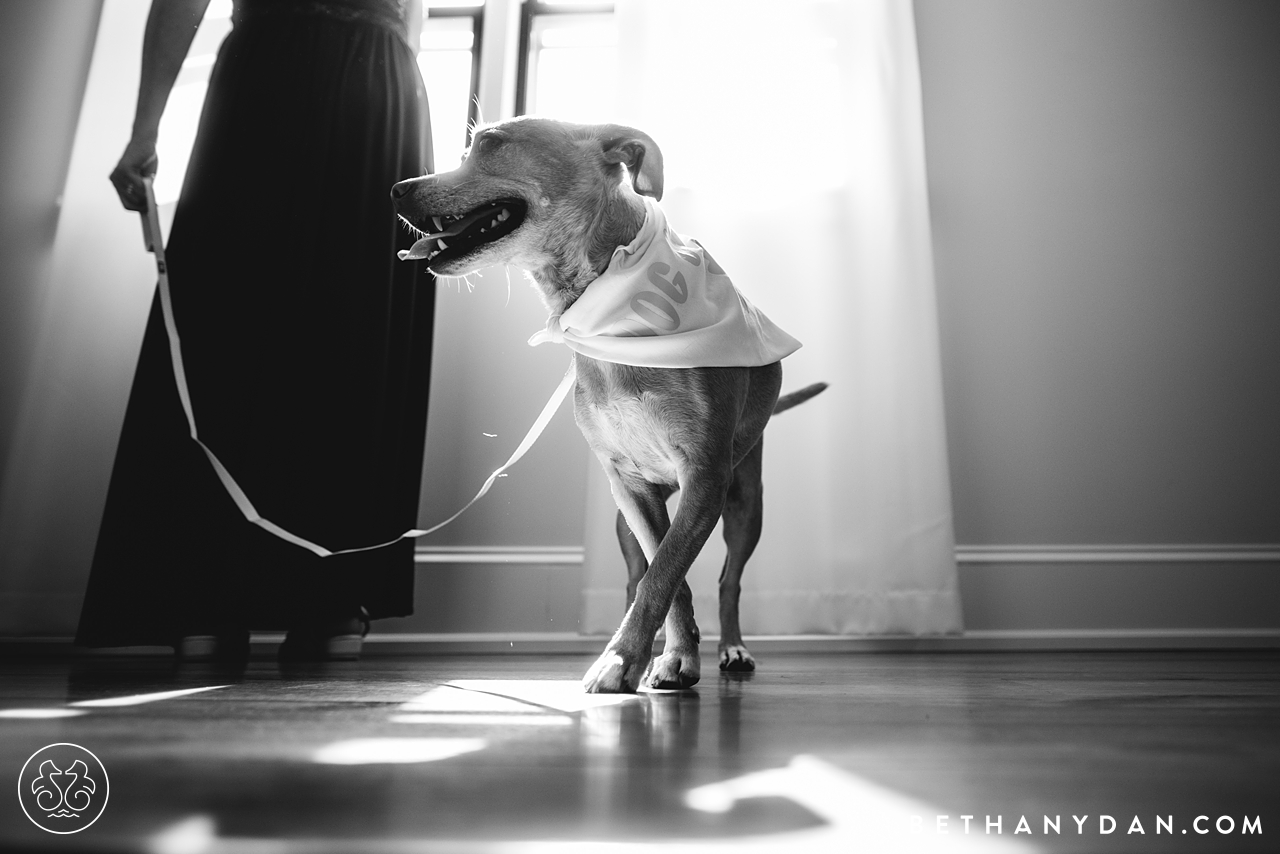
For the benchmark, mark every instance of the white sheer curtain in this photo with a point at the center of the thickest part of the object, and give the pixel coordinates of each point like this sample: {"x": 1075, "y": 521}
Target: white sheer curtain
{"x": 794, "y": 150}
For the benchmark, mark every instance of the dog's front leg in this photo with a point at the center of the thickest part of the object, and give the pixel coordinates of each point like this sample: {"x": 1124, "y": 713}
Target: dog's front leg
{"x": 626, "y": 658}
{"x": 680, "y": 665}
{"x": 633, "y": 555}
{"x": 663, "y": 595}
{"x": 701, "y": 503}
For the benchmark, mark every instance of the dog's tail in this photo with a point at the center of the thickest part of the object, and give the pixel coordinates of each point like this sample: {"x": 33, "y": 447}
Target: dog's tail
{"x": 796, "y": 398}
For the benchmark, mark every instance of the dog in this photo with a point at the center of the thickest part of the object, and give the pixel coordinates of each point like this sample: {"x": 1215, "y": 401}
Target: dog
{"x": 558, "y": 200}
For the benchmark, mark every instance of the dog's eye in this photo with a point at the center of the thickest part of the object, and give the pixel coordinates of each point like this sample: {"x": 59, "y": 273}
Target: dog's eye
{"x": 489, "y": 144}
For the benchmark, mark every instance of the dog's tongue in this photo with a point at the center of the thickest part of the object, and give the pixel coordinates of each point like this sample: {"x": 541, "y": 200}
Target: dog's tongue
{"x": 419, "y": 250}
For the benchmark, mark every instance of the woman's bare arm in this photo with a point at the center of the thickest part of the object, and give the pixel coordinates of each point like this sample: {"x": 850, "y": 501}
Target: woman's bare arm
{"x": 171, "y": 26}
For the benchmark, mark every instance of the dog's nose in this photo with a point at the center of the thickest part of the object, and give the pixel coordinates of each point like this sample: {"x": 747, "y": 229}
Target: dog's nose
{"x": 402, "y": 189}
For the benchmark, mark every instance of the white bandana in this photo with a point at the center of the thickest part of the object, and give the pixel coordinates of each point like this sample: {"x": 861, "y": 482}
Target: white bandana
{"x": 664, "y": 302}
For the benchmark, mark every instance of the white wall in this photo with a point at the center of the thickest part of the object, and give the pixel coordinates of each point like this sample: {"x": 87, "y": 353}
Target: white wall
{"x": 1105, "y": 192}
{"x": 51, "y": 403}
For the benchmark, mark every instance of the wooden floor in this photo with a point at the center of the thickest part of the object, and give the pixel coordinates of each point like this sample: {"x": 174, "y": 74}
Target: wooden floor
{"x": 811, "y": 753}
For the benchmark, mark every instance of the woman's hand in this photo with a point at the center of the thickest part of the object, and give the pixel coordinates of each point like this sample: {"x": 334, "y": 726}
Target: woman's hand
{"x": 138, "y": 161}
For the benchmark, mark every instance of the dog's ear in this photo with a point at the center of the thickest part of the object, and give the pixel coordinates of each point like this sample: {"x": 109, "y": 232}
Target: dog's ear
{"x": 639, "y": 152}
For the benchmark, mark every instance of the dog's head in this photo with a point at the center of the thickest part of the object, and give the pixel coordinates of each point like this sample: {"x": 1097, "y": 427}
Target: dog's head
{"x": 548, "y": 196}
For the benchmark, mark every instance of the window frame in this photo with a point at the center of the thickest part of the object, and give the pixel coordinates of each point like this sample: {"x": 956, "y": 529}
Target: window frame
{"x": 529, "y": 11}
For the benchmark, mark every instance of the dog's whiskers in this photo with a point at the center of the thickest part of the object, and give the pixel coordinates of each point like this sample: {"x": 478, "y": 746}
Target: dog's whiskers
{"x": 458, "y": 281}
{"x": 413, "y": 229}
{"x": 454, "y": 281}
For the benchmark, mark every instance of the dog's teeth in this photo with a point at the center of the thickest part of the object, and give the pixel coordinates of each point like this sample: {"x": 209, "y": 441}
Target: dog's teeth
{"x": 493, "y": 224}
{"x": 442, "y": 244}
{"x": 502, "y": 217}
{"x": 439, "y": 224}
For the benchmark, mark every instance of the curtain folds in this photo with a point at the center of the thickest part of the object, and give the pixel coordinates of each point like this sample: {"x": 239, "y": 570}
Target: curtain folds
{"x": 794, "y": 148}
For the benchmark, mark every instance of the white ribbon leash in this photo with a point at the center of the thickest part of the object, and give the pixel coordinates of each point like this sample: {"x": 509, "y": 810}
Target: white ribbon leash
{"x": 155, "y": 244}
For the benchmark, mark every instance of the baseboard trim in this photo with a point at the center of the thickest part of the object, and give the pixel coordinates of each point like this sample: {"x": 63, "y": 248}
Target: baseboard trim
{"x": 1213, "y": 554}
{"x": 965, "y": 555}
{"x": 544, "y": 555}
{"x": 1004, "y": 640}
{"x": 566, "y": 643}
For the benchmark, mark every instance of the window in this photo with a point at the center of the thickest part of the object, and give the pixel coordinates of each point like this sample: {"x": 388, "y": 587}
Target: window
{"x": 449, "y": 57}
{"x": 567, "y": 60}
{"x": 566, "y": 68}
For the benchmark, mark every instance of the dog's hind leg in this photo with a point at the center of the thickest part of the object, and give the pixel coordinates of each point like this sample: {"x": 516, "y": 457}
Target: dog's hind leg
{"x": 743, "y": 517}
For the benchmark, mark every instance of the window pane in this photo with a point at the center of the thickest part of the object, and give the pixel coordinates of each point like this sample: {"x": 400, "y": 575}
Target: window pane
{"x": 572, "y": 67}
{"x": 445, "y": 59}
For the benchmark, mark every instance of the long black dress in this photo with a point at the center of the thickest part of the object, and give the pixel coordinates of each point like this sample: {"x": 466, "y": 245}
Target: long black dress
{"x": 307, "y": 344}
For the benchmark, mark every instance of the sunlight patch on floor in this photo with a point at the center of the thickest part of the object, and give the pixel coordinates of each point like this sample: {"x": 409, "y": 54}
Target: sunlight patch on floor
{"x": 448, "y": 698}
{"x": 140, "y": 699}
{"x": 190, "y": 836}
{"x": 859, "y": 813}
{"x": 394, "y": 751}
{"x": 481, "y": 719}
{"x": 561, "y": 695}
{"x": 449, "y": 705}
{"x": 39, "y": 714}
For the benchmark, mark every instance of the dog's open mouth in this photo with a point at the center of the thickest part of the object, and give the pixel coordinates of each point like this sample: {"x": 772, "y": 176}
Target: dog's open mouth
{"x": 458, "y": 236}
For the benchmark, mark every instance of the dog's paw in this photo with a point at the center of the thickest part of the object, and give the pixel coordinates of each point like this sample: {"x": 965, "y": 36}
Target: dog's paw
{"x": 674, "y": 670}
{"x": 735, "y": 657}
{"x": 613, "y": 674}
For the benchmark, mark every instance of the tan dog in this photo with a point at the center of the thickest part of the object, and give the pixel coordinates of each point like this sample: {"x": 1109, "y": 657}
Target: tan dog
{"x": 553, "y": 198}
